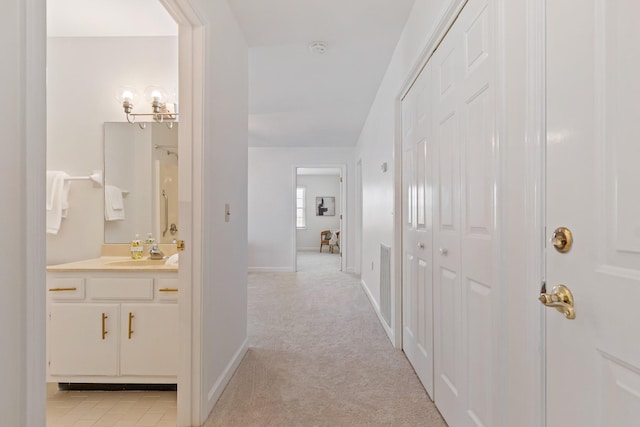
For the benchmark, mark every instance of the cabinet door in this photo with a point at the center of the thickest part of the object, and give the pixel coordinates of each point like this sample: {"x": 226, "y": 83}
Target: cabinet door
{"x": 149, "y": 339}
{"x": 83, "y": 339}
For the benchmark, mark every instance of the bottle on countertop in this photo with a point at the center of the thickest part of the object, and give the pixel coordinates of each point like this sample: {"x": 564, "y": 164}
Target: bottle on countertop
{"x": 137, "y": 251}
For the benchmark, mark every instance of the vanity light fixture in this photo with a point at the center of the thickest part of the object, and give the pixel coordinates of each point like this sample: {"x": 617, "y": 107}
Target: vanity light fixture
{"x": 162, "y": 111}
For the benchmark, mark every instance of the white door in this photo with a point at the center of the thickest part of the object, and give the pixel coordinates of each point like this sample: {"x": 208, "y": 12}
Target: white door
{"x": 593, "y": 181}
{"x": 417, "y": 253}
{"x": 465, "y": 294}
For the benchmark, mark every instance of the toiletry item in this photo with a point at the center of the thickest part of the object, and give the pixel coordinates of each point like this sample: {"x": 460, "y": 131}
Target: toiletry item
{"x": 150, "y": 239}
{"x": 136, "y": 248}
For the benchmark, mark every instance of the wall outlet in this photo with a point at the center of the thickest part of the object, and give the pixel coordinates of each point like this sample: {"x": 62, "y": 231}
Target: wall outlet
{"x": 227, "y": 212}
{"x": 371, "y": 265}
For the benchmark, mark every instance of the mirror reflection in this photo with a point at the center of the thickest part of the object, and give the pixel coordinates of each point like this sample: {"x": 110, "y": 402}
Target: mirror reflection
{"x": 141, "y": 182}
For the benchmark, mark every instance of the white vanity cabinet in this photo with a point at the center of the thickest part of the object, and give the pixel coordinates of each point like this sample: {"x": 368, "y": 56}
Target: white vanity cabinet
{"x": 149, "y": 339}
{"x": 77, "y": 343}
{"x": 108, "y": 327}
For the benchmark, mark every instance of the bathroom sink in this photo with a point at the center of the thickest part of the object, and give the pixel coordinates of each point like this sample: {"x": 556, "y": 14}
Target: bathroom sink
{"x": 138, "y": 262}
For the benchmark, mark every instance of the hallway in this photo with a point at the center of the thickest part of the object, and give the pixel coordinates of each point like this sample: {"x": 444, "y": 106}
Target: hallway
{"x": 319, "y": 356}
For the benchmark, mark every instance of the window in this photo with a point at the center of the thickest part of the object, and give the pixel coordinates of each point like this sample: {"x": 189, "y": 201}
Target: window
{"x": 301, "y": 210}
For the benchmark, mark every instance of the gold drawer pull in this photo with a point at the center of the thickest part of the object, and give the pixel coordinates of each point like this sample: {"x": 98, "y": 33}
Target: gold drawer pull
{"x": 104, "y": 326}
{"x": 131, "y": 316}
{"x": 62, "y": 289}
{"x": 168, "y": 290}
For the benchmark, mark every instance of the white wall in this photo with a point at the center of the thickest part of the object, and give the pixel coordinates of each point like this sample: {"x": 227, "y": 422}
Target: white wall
{"x": 224, "y": 298}
{"x": 82, "y": 77}
{"x": 22, "y": 166}
{"x": 272, "y": 197}
{"x": 375, "y": 145}
{"x": 318, "y": 186}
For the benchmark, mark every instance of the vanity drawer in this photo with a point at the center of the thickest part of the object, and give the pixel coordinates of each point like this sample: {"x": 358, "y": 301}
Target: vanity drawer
{"x": 167, "y": 289}
{"x": 120, "y": 288}
{"x": 66, "y": 288}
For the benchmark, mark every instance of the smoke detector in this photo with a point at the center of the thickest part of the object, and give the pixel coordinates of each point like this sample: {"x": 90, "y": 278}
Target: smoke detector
{"x": 318, "y": 47}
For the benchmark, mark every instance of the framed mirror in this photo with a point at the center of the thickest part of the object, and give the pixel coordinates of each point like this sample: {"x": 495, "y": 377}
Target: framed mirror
{"x": 142, "y": 166}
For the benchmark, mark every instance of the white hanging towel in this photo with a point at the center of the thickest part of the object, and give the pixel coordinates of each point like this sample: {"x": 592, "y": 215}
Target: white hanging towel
{"x": 57, "y": 202}
{"x": 113, "y": 203}
{"x": 334, "y": 238}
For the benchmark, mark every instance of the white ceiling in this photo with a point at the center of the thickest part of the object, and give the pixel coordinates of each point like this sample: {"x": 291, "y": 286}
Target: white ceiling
{"x": 108, "y": 18}
{"x": 296, "y": 97}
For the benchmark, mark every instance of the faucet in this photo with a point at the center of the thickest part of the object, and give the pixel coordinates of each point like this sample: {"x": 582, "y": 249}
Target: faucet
{"x": 155, "y": 252}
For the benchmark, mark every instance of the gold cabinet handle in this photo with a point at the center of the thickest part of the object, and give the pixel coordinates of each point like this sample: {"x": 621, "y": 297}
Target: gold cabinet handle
{"x": 131, "y": 316}
{"x": 104, "y": 325}
{"x": 62, "y": 289}
{"x": 561, "y": 299}
{"x": 168, "y": 290}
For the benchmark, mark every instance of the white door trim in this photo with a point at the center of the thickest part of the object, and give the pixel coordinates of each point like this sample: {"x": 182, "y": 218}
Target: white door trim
{"x": 35, "y": 135}
{"x": 191, "y": 74}
{"x": 343, "y": 210}
{"x": 535, "y": 153}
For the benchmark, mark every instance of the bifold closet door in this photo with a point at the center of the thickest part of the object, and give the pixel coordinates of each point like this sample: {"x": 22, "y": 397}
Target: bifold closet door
{"x": 464, "y": 257}
{"x": 417, "y": 252}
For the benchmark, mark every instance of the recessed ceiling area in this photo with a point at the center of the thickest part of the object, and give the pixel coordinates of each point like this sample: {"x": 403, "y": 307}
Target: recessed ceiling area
{"x": 300, "y": 98}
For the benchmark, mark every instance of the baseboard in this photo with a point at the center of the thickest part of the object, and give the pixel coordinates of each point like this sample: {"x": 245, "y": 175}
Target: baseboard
{"x": 376, "y": 308}
{"x": 310, "y": 249}
{"x": 270, "y": 269}
{"x": 217, "y": 389}
{"x": 351, "y": 270}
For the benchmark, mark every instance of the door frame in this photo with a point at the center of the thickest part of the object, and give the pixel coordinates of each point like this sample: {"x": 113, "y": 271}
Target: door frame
{"x": 191, "y": 79}
{"x": 343, "y": 211}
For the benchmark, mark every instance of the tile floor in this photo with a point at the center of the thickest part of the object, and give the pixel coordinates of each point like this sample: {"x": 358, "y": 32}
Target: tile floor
{"x": 110, "y": 408}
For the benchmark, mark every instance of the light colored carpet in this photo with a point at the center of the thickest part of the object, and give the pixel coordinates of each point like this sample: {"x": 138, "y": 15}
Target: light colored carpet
{"x": 319, "y": 357}
{"x": 316, "y": 261}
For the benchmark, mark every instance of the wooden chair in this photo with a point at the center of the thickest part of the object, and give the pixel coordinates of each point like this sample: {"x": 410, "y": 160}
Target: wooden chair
{"x": 325, "y": 236}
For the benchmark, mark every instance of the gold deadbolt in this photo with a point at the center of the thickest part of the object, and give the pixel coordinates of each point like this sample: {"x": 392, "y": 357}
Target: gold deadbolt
{"x": 180, "y": 245}
{"x": 561, "y": 299}
{"x": 562, "y": 239}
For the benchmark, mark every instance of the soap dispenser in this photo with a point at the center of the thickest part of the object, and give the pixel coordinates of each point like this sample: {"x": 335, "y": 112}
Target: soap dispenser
{"x": 136, "y": 248}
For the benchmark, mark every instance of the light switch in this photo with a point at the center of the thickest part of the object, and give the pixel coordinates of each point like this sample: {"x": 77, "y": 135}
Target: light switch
{"x": 227, "y": 212}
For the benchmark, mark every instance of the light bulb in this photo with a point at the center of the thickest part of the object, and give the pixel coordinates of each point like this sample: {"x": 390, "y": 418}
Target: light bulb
{"x": 155, "y": 94}
{"x": 127, "y": 95}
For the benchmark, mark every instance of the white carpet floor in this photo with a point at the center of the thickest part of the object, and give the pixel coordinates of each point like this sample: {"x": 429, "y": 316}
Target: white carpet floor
{"x": 315, "y": 261}
{"x": 319, "y": 357}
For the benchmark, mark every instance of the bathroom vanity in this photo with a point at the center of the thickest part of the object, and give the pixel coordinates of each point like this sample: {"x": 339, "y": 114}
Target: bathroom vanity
{"x": 112, "y": 320}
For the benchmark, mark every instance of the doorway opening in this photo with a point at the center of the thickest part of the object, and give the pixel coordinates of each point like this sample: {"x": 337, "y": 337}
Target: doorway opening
{"x": 319, "y": 219}
{"x": 162, "y": 15}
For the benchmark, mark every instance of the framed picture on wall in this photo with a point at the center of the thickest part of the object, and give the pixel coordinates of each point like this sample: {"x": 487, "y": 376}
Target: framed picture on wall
{"x": 325, "y": 206}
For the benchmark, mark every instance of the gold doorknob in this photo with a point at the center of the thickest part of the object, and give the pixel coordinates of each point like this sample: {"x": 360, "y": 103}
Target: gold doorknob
{"x": 561, "y": 299}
